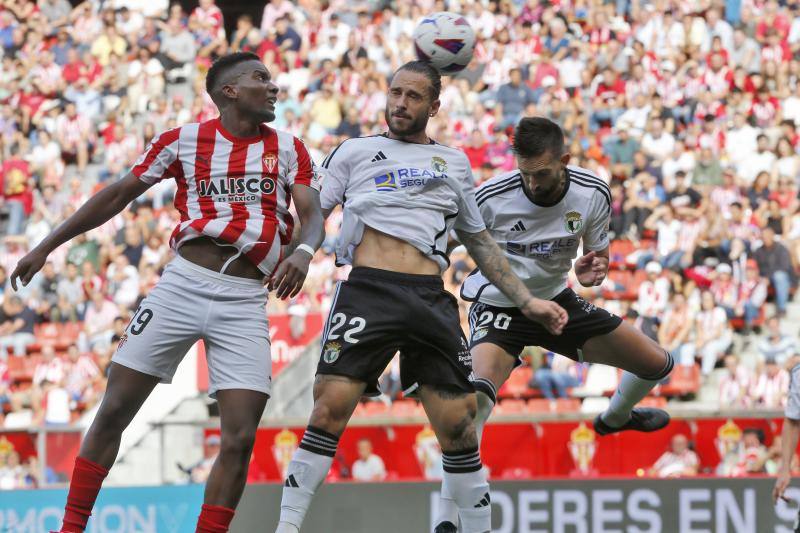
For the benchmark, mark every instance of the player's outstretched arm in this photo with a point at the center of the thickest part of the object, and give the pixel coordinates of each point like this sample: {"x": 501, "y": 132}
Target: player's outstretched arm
{"x": 96, "y": 211}
{"x": 791, "y": 434}
{"x": 493, "y": 264}
{"x": 291, "y": 273}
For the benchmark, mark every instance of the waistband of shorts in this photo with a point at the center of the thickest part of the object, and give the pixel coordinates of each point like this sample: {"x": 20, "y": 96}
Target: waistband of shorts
{"x": 184, "y": 265}
{"x": 400, "y": 278}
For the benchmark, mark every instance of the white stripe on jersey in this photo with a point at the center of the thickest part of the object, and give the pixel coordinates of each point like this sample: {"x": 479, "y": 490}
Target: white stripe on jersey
{"x": 540, "y": 241}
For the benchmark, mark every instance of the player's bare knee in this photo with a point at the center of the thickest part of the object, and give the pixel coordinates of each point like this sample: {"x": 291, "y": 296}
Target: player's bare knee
{"x": 238, "y": 443}
{"x": 459, "y": 434}
{"x": 660, "y": 366}
{"x": 330, "y": 416}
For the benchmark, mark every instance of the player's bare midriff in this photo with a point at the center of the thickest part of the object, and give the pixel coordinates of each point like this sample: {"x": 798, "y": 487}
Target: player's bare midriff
{"x": 204, "y": 252}
{"x": 379, "y": 250}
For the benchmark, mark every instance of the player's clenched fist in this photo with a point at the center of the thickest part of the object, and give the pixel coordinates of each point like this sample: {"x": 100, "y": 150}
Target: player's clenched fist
{"x": 27, "y": 267}
{"x": 549, "y": 314}
{"x": 591, "y": 269}
{"x": 291, "y": 273}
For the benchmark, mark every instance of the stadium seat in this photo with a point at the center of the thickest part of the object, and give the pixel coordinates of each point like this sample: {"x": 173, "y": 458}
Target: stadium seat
{"x": 375, "y": 408}
{"x": 516, "y": 386}
{"x": 512, "y": 406}
{"x": 568, "y": 405}
{"x": 540, "y": 405}
{"x": 406, "y": 408}
{"x": 683, "y": 380}
{"x": 653, "y": 401}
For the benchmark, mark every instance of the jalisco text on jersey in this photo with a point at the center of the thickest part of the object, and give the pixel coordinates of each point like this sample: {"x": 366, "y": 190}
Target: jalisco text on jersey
{"x": 241, "y": 185}
{"x": 406, "y": 177}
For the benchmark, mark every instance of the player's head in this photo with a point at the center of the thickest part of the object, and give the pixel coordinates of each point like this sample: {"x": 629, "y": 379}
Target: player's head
{"x": 413, "y": 98}
{"x": 541, "y": 157}
{"x": 241, "y": 81}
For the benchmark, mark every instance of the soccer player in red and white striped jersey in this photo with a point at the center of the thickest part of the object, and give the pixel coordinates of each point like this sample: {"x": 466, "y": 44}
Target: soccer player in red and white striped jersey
{"x": 236, "y": 178}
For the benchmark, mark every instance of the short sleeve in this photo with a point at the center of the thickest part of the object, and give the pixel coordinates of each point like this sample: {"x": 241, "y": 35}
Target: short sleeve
{"x": 334, "y": 173}
{"x": 159, "y": 160}
{"x": 469, "y": 217}
{"x": 793, "y": 401}
{"x": 595, "y": 237}
{"x": 302, "y": 170}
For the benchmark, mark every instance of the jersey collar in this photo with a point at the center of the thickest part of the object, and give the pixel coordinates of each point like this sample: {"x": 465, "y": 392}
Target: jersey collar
{"x": 386, "y": 134}
{"x": 554, "y": 202}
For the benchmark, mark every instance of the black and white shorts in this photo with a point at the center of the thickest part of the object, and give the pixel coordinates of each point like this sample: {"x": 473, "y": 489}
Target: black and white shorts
{"x": 376, "y": 313}
{"x": 508, "y": 328}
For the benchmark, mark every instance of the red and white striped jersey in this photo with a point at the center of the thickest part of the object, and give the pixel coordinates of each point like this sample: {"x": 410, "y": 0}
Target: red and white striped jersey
{"x": 235, "y": 190}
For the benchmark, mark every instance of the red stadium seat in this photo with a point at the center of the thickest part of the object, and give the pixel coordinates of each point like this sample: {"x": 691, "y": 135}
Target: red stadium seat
{"x": 512, "y": 406}
{"x": 653, "y": 401}
{"x": 406, "y": 408}
{"x": 568, "y": 405}
{"x": 683, "y": 380}
{"x": 375, "y": 408}
{"x": 540, "y": 405}
{"x": 516, "y": 386}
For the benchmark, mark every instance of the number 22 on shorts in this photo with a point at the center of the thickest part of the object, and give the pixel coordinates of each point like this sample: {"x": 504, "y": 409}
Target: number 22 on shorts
{"x": 338, "y": 320}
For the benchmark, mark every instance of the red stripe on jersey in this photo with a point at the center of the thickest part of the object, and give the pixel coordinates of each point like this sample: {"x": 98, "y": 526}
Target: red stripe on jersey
{"x": 268, "y": 202}
{"x": 181, "y": 195}
{"x": 239, "y": 214}
{"x": 164, "y": 140}
{"x": 303, "y": 176}
{"x": 204, "y": 153}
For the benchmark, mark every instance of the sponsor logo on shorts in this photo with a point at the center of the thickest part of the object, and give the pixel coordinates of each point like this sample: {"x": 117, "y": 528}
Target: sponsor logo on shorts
{"x": 573, "y": 222}
{"x": 331, "y": 352}
{"x": 122, "y": 341}
{"x": 478, "y": 334}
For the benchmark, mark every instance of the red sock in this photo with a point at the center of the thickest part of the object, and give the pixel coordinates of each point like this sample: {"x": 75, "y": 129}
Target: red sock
{"x": 87, "y": 477}
{"x": 214, "y": 519}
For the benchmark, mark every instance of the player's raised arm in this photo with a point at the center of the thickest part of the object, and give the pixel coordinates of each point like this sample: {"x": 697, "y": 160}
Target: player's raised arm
{"x": 493, "y": 264}
{"x": 291, "y": 273}
{"x": 95, "y": 212}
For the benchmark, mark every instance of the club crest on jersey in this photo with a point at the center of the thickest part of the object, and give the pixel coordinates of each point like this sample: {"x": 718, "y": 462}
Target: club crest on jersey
{"x": 331, "y": 352}
{"x": 270, "y": 160}
{"x": 438, "y": 164}
{"x": 573, "y": 222}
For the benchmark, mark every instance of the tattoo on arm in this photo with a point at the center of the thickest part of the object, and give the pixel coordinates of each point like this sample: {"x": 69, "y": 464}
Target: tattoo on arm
{"x": 493, "y": 264}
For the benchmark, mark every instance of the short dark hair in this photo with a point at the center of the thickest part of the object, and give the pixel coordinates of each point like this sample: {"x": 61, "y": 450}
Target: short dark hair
{"x": 429, "y": 71}
{"x": 536, "y": 136}
{"x": 224, "y": 63}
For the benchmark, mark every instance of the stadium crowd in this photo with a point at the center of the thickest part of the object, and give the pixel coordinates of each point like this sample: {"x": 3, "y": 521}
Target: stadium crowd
{"x": 688, "y": 109}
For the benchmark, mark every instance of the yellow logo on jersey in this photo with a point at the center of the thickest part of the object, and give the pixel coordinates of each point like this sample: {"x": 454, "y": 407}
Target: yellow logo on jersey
{"x": 331, "y": 352}
{"x": 573, "y": 222}
{"x": 438, "y": 164}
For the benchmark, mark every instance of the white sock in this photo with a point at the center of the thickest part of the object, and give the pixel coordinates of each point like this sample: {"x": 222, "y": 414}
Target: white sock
{"x": 448, "y": 510}
{"x": 307, "y": 470}
{"x": 631, "y": 390}
{"x": 466, "y": 481}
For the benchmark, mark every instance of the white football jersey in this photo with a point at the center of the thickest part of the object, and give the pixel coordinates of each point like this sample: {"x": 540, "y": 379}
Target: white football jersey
{"x": 540, "y": 241}
{"x": 415, "y": 192}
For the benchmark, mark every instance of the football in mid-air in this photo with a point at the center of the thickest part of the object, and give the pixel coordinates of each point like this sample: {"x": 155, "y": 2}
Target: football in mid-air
{"x": 445, "y": 40}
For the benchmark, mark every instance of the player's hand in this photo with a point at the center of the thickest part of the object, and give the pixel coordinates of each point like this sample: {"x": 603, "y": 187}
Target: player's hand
{"x": 591, "y": 269}
{"x": 28, "y": 266}
{"x": 549, "y": 314}
{"x": 780, "y": 487}
{"x": 291, "y": 273}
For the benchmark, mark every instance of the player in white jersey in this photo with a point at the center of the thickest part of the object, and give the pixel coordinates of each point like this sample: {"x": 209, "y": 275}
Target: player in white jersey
{"x": 539, "y": 214}
{"x": 235, "y": 177}
{"x": 401, "y": 194}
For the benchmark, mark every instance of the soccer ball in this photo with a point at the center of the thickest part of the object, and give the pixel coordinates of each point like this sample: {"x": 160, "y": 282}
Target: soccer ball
{"x": 446, "y": 41}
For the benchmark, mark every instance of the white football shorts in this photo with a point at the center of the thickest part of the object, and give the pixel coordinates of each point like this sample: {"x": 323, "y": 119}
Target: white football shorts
{"x": 191, "y": 303}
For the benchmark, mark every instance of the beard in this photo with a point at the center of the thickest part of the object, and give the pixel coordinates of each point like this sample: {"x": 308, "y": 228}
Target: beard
{"x": 415, "y": 125}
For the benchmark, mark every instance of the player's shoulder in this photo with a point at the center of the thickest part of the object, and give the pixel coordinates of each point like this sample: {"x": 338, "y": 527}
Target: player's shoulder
{"x": 588, "y": 184}
{"x": 349, "y": 148}
{"x": 499, "y": 187}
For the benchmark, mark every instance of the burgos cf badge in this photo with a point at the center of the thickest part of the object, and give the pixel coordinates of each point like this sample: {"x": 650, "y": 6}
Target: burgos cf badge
{"x": 438, "y": 164}
{"x": 270, "y": 160}
{"x": 331, "y": 352}
{"x": 573, "y": 222}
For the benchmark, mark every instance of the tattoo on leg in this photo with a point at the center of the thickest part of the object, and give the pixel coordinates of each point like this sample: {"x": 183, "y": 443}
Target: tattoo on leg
{"x": 462, "y": 435}
{"x": 450, "y": 394}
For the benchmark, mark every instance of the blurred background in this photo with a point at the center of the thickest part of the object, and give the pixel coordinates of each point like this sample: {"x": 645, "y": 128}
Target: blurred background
{"x": 688, "y": 109}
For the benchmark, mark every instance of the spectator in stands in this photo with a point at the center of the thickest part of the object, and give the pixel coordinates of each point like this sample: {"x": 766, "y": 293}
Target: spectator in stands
{"x": 555, "y": 375}
{"x": 724, "y": 289}
{"x": 82, "y": 377}
{"x": 753, "y": 454}
{"x": 368, "y": 466}
{"x": 512, "y": 99}
{"x": 199, "y": 472}
{"x": 667, "y": 228}
{"x": 679, "y": 461}
{"x": 16, "y": 326}
{"x": 777, "y": 345}
{"x": 752, "y": 296}
{"x": 98, "y": 322}
{"x": 771, "y": 386}
{"x": 713, "y": 335}
{"x": 775, "y": 264}
{"x": 653, "y": 295}
{"x": 735, "y": 385}
{"x": 674, "y": 333}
